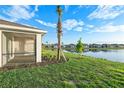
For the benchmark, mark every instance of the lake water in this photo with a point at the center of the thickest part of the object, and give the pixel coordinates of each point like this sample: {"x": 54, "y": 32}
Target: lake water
{"x": 113, "y": 55}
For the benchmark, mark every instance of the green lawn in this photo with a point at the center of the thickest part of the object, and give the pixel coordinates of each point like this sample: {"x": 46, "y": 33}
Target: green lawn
{"x": 78, "y": 72}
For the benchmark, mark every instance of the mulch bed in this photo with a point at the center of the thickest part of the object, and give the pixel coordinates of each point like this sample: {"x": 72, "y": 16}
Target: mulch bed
{"x": 45, "y": 61}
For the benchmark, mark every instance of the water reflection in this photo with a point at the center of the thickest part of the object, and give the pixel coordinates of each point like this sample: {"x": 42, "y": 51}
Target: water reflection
{"x": 96, "y": 50}
{"x": 113, "y": 55}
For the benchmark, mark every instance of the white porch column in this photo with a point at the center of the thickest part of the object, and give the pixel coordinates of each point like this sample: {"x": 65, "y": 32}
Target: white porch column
{"x": 13, "y": 47}
{"x": 38, "y": 48}
{"x": 0, "y": 48}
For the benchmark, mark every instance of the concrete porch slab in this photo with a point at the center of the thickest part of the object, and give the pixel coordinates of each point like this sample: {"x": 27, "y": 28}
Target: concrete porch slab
{"x": 20, "y": 60}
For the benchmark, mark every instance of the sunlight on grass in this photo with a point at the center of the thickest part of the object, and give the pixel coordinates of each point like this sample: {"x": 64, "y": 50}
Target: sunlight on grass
{"x": 77, "y": 72}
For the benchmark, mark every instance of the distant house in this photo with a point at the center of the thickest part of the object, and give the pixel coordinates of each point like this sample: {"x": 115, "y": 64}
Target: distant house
{"x": 95, "y": 46}
{"x": 55, "y": 46}
{"x": 69, "y": 46}
{"x": 86, "y": 46}
{"x": 104, "y": 46}
{"x": 121, "y": 45}
{"x": 72, "y": 45}
{"x": 114, "y": 46}
{"x": 19, "y": 43}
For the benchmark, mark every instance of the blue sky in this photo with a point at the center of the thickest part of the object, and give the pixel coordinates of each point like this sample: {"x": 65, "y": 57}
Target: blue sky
{"x": 95, "y": 24}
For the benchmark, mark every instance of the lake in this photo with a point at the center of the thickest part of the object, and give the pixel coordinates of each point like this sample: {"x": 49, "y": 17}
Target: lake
{"x": 113, "y": 55}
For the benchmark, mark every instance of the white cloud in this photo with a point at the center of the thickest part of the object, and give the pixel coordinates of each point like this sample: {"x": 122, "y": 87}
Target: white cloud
{"x": 79, "y": 8}
{"x": 18, "y": 12}
{"x": 66, "y": 8}
{"x": 8, "y": 19}
{"x": 89, "y": 26}
{"x": 106, "y": 12}
{"x": 84, "y": 6}
{"x": 109, "y": 28}
{"x": 69, "y": 24}
{"x": 46, "y": 23}
{"x": 36, "y": 8}
{"x": 79, "y": 29}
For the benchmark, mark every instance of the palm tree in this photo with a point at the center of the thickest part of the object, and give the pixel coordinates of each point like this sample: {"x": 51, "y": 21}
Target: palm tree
{"x": 59, "y": 34}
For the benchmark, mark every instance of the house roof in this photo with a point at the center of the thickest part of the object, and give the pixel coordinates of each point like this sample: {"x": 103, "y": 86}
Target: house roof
{"x": 7, "y": 25}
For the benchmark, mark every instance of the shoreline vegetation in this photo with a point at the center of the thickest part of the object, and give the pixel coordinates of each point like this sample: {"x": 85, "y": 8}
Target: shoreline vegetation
{"x": 93, "y": 49}
{"x": 79, "y": 71}
{"x": 87, "y": 46}
{"x": 105, "y": 48}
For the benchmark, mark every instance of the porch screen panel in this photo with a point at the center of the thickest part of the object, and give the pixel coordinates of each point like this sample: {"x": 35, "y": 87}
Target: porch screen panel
{"x": 18, "y": 48}
{"x": 24, "y": 46}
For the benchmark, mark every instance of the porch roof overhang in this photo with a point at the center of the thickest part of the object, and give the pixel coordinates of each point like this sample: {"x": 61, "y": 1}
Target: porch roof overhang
{"x": 11, "y": 26}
